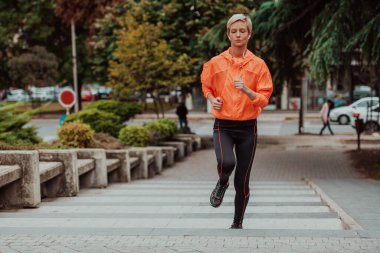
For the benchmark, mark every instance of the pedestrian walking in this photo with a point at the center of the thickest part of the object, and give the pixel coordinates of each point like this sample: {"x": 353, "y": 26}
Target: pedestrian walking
{"x": 238, "y": 85}
{"x": 182, "y": 115}
{"x": 325, "y": 115}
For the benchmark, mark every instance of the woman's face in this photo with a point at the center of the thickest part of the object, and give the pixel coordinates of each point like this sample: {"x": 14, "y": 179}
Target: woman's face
{"x": 239, "y": 34}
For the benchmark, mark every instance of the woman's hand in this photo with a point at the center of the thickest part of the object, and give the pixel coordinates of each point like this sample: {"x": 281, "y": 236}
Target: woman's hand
{"x": 216, "y": 102}
{"x": 240, "y": 85}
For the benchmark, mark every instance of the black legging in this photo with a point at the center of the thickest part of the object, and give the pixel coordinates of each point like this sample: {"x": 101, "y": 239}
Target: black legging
{"x": 327, "y": 124}
{"x": 241, "y": 136}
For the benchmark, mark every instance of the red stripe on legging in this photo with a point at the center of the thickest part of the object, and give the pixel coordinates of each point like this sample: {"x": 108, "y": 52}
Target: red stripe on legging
{"x": 246, "y": 173}
{"x": 221, "y": 151}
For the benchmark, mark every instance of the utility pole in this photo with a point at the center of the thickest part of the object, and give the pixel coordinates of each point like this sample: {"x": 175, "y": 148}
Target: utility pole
{"x": 75, "y": 74}
{"x": 303, "y": 103}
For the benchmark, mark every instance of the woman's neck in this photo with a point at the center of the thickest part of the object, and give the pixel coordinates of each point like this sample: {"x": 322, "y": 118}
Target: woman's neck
{"x": 238, "y": 52}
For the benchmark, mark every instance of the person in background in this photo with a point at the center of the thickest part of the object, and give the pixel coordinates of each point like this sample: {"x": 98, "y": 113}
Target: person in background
{"x": 325, "y": 115}
{"x": 238, "y": 85}
{"x": 182, "y": 115}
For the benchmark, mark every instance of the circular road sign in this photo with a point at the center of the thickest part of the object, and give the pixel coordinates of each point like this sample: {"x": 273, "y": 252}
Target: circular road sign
{"x": 67, "y": 97}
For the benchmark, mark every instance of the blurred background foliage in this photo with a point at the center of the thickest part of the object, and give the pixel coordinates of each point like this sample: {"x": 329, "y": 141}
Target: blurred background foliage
{"x": 150, "y": 45}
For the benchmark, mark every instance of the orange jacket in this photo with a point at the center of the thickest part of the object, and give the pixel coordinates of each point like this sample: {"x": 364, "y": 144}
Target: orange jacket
{"x": 218, "y": 77}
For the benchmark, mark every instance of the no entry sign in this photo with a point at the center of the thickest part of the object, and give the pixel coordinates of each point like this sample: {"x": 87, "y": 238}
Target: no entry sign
{"x": 67, "y": 97}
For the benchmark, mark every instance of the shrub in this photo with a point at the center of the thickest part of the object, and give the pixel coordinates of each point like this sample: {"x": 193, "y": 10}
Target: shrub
{"x": 122, "y": 109}
{"x": 160, "y": 128}
{"x": 76, "y": 134}
{"x": 26, "y": 135}
{"x": 134, "y": 136}
{"x": 26, "y": 146}
{"x": 100, "y": 121}
{"x": 170, "y": 125}
{"x": 106, "y": 141}
{"x": 185, "y": 130}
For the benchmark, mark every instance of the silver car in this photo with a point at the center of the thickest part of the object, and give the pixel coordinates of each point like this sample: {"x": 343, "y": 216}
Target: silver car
{"x": 18, "y": 95}
{"x": 343, "y": 115}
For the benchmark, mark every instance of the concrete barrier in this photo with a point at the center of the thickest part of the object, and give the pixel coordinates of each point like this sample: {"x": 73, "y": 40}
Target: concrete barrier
{"x": 26, "y": 176}
{"x": 168, "y": 155}
{"x": 178, "y": 145}
{"x": 19, "y": 179}
{"x": 65, "y": 184}
{"x": 197, "y": 140}
{"x": 148, "y": 161}
{"x": 122, "y": 171}
{"x": 95, "y": 176}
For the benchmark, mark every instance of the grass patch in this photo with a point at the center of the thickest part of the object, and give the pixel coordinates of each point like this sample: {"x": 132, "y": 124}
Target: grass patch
{"x": 367, "y": 161}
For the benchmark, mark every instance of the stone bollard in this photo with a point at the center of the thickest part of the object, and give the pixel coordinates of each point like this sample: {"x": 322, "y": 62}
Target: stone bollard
{"x": 157, "y": 152}
{"x": 179, "y": 145}
{"x": 189, "y": 144}
{"x": 196, "y": 139}
{"x": 67, "y": 184}
{"x": 142, "y": 154}
{"x": 170, "y": 152}
{"x": 25, "y": 191}
{"x": 124, "y": 173}
{"x": 98, "y": 176}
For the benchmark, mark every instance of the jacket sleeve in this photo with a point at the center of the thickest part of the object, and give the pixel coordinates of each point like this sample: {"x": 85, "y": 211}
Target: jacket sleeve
{"x": 264, "y": 88}
{"x": 206, "y": 79}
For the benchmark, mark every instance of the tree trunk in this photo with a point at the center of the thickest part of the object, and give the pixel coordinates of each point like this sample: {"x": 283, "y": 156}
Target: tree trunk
{"x": 348, "y": 80}
{"x": 161, "y": 106}
{"x": 155, "y": 105}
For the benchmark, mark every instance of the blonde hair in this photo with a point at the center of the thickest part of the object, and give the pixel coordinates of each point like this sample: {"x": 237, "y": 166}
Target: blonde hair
{"x": 239, "y": 17}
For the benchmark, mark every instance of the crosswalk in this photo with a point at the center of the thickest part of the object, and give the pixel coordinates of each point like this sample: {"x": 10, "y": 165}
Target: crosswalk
{"x": 179, "y": 205}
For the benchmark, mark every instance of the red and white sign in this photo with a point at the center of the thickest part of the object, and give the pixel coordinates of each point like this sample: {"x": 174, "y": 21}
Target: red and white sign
{"x": 67, "y": 97}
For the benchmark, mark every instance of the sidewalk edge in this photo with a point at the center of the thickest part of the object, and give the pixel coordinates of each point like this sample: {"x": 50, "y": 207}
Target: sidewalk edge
{"x": 347, "y": 219}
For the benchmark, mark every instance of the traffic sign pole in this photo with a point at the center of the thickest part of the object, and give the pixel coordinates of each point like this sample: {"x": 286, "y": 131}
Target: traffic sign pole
{"x": 67, "y": 98}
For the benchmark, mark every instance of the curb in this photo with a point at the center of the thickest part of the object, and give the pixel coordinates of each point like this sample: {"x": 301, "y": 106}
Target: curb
{"x": 349, "y": 222}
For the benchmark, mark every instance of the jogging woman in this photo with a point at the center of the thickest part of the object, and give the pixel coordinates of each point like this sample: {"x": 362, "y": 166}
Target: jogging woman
{"x": 238, "y": 85}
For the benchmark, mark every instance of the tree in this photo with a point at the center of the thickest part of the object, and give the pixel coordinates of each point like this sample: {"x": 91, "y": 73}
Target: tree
{"x": 340, "y": 36}
{"x": 36, "y": 67}
{"x": 25, "y": 24}
{"x": 86, "y": 11}
{"x": 143, "y": 62}
{"x": 183, "y": 25}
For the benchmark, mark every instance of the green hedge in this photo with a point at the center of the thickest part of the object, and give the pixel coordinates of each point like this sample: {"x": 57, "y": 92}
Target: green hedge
{"x": 161, "y": 129}
{"x": 125, "y": 110}
{"x": 100, "y": 121}
{"x": 137, "y": 136}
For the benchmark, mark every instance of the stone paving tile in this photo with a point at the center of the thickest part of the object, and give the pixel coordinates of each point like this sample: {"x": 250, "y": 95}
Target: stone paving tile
{"x": 186, "y": 244}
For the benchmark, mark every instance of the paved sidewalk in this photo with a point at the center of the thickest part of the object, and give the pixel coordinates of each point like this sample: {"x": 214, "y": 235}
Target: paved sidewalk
{"x": 127, "y": 217}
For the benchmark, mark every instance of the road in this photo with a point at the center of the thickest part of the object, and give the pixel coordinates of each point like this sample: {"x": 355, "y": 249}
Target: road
{"x": 277, "y": 126}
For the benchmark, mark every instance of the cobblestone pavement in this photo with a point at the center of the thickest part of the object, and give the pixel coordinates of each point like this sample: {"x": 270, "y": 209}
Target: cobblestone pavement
{"x": 82, "y": 224}
{"x": 196, "y": 244}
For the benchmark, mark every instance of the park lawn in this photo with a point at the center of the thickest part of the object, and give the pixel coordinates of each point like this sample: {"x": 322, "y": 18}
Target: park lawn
{"x": 367, "y": 161}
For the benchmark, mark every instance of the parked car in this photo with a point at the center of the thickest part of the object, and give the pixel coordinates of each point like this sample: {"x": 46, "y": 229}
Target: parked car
{"x": 17, "y": 95}
{"x": 43, "y": 94}
{"x": 343, "y": 114}
{"x": 370, "y": 117}
{"x": 87, "y": 94}
{"x": 104, "y": 92}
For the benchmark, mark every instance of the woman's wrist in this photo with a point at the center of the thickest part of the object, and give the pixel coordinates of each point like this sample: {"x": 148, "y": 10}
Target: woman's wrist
{"x": 250, "y": 93}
